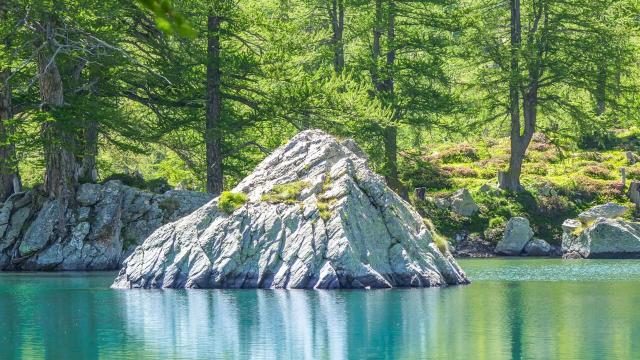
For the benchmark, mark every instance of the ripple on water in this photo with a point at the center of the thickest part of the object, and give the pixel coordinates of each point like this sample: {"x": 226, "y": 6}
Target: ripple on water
{"x": 519, "y": 269}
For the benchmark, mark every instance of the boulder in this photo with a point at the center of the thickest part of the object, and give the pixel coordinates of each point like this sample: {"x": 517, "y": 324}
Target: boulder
{"x": 316, "y": 216}
{"x": 88, "y": 194}
{"x": 485, "y": 188}
{"x": 462, "y": 203}
{"x": 603, "y": 238}
{"x": 537, "y": 247}
{"x": 516, "y": 235}
{"x": 608, "y": 210}
{"x": 107, "y": 222}
{"x": 571, "y": 225}
{"x": 631, "y": 157}
{"x": 547, "y": 190}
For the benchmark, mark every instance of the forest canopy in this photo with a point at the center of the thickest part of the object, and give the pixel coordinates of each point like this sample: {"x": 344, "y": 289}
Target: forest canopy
{"x": 198, "y": 92}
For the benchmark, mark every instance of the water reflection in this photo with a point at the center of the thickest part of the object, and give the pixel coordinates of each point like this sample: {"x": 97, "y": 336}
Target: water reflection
{"x": 73, "y": 317}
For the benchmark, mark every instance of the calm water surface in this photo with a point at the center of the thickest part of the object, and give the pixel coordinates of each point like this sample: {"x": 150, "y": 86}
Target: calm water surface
{"x": 529, "y": 309}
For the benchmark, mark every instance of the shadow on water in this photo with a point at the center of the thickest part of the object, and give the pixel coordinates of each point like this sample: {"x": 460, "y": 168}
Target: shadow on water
{"x": 78, "y": 317}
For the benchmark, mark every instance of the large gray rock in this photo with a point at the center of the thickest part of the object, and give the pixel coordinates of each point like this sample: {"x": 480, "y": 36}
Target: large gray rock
{"x": 608, "y": 210}
{"x": 343, "y": 229}
{"x": 537, "y": 247}
{"x": 99, "y": 231}
{"x": 516, "y": 235}
{"x": 603, "y": 238}
{"x": 462, "y": 203}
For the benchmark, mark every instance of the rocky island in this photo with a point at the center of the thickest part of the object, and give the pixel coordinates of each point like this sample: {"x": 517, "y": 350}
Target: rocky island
{"x": 311, "y": 215}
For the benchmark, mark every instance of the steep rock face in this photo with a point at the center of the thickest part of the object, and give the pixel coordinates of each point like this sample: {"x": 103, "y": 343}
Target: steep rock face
{"x": 103, "y": 227}
{"x": 316, "y": 217}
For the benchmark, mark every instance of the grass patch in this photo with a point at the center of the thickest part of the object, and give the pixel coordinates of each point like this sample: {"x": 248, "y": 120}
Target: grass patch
{"x": 325, "y": 203}
{"x": 285, "y": 193}
{"x": 441, "y": 242}
{"x": 230, "y": 201}
{"x": 323, "y": 207}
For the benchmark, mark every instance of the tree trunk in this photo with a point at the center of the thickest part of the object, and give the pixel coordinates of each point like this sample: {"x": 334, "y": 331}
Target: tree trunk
{"x": 391, "y": 132}
{"x": 9, "y": 177}
{"x": 510, "y": 180}
{"x": 336, "y": 14}
{"x": 214, "y": 108}
{"x": 87, "y": 171}
{"x": 385, "y": 90}
{"x": 60, "y": 177}
{"x": 375, "y": 48}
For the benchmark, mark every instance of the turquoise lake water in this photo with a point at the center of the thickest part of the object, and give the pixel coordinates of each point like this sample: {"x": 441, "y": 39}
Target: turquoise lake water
{"x": 514, "y": 309}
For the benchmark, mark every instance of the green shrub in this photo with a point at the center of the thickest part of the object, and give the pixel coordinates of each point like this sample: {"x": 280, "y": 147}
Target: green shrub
{"x": 598, "y": 172}
{"x": 459, "y": 153}
{"x": 159, "y": 185}
{"x": 134, "y": 180}
{"x": 460, "y": 171}
{"x": 285, "y": 193}
{"x": 441, "y": 242}
{"x": 323, "y": 207}
{"x": 416, "y": 171}
{"x": 497, "y": 222}
{"x": 230, "y": 201}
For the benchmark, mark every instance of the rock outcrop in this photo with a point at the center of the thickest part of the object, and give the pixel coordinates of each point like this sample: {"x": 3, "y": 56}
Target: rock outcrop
{"x": 608, "y": 210}
{"x": 460, "y": 202}
{"x": 606, "y": 236}
{"x": 103, "y": 226}
{"x": 315, "y": 217}
{"x": 516, "y": 236}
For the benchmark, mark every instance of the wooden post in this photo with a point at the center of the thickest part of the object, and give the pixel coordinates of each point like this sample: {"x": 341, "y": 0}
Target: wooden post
{"x": 634, "y": 193}
{"x": 631, "y": 158}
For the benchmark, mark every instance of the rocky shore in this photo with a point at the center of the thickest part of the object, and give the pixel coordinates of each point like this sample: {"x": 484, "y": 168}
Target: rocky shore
{"x": 104, "y": 225}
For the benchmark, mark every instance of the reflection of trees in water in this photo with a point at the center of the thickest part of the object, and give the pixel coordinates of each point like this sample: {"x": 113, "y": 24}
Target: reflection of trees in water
{"x": 245, "y": 323}
{"x": 282, "y": 324}
{"x": 76, "y": 319}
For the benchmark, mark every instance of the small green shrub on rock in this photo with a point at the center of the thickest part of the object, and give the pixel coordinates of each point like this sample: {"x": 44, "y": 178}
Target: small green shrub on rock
{"x": 230, "y": 201}
{"x": 441, "y": 242}
{"x": 285, "y": 193}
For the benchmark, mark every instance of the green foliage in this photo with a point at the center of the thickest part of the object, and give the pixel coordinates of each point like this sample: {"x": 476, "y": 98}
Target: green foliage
{"x": 441, "y": 242}
{"x": 231, "y": 201}
{"x": 158, "y": 185}
{"x": 323, "y": 207}
{"x": 167, "y": 18}
{"x": 459, "y": 153}
{"x": 418, "y": 171}
{"x": 285, "y": 193}
{"x": 497, "y": 222}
